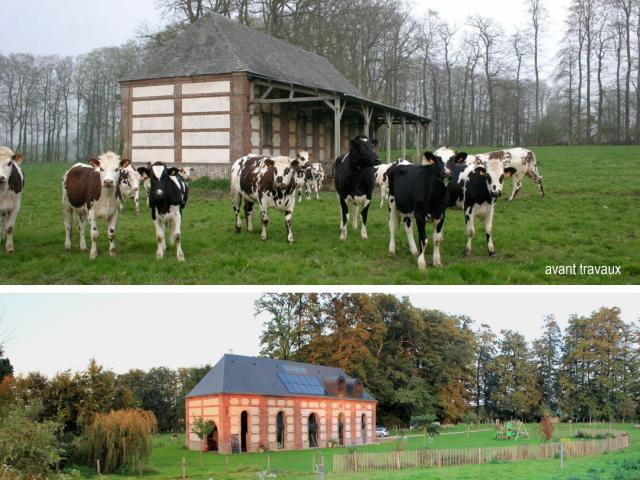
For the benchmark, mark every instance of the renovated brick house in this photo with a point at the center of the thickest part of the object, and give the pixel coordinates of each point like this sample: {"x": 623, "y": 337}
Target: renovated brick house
{"x": 220, "y": 90}
{"x": 260, "y": 403}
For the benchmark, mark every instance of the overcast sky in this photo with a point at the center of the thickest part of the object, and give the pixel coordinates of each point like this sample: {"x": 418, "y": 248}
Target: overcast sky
{"x": 72, "y": 27}
{"x": 54, "y": 332}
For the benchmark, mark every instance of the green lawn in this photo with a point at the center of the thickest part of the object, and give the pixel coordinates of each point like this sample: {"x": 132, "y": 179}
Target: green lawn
{"x": 168, "y": 453}
{"x": 589, "y": 216}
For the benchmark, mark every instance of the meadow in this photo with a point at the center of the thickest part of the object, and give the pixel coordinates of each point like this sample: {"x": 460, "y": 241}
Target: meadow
{"x": 589, "y": 216}
{"x": 168, "y": 453}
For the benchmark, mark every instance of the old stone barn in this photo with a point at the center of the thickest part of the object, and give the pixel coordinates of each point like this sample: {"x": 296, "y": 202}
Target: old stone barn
{"x": 259, "y": 403}
{"x": 221, "y": 90}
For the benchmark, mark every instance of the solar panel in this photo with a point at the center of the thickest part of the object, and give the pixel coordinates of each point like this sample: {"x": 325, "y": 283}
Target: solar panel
{"x": 301, "y": 384}
{"x": 295, "y": 369}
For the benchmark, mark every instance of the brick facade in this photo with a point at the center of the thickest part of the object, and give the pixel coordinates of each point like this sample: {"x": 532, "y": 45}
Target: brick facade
{"x": 261, "y": 430}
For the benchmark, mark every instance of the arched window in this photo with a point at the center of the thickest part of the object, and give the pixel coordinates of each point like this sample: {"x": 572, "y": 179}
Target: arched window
{"x": 363, "y": 429}
{"x": 313, "y": 430}
{"x": 341, "y": 387}
{"x": 212, "y": 439}
{"x": 244, "y": 430}
{"x": 358, "y": 389}
{"x": 341, "y": 429}
{"x": 280, "y": 429}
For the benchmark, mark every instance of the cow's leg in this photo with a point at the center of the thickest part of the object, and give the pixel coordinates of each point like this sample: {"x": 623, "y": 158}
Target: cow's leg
{"x": 393, "y": 225}
{"x": 344, "y": 218}
{"x": 517, "y": 185}
{"x": 237, "y": 202}
{"x": 309, "y": 189}
{"x": 421, "y": 223}
{"x": 488, "y": 228}
{"x": 9, "y": 225}
{"x": 383, "y": 194}
{"x": 365, "y": 214}
{"x": 68, "y": 225}
{"x": 469, "y": 220}
{"x": 136, "y": 199}
{"x": 248, "y": 215}
{"x": 535, "y": 176}
{"x": 121, "y": 207}
{"x": 177, "y": 235}
{"x": 408, "y": 228}
{"x": 288, "y": 222}
{"x": 160, "y": 238}
{"x": 82, "y": 221}
{"x": 437, "y": 240}
{"x": 264, "y": 215}
{"x": 112, "y": 234}
{"x": 94, "y": 234}
{"x": 2, "y": 221}
{"x": 316, "y": 185}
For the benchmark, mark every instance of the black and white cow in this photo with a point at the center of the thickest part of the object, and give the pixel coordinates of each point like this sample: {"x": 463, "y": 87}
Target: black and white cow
{"x": 11, "y": 186}
{"x": 313, "y": 178}
{"x": 475, "y": 186}
{"x": 518, "y": 163}
{"x": 383, "y": 181}
{"x": 91, "y": 191}
{"x": 269, "y": 182}
{"x": 130, "y": 186}
{"x": 355, "y": 180}
{"x": 168, "y": 194}
{"x": 418, "y": 192}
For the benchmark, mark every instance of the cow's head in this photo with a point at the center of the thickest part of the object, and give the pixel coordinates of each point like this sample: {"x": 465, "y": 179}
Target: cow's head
{"x": 430, "y": 159}
{"x": 7, "y": 160}
{"x": 493, "y": 171}
{"x": 363, "y": 152}
{"x": 158, "y": 175}
{"x": 109, "y": 165}
{"x": 286, "y": 171}
{"x": 458, "y": 158}
{"x": 129, "y": 176}
{"x": 303, "y": 157}
{"x": 185, "y": 173}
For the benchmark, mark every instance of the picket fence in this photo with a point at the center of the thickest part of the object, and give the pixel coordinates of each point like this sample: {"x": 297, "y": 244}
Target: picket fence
{"x": 395, "y": 460}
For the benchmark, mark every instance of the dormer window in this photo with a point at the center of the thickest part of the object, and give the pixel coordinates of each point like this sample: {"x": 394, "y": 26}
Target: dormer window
{"x": 341, "y": 387}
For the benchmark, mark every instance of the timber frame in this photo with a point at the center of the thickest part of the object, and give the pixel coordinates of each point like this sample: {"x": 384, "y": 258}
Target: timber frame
{"x": 264, "y": 91}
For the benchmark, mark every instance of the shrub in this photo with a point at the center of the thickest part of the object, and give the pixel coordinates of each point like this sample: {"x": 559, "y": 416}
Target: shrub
{"x": 121, "y": 439}
{"x": 546, "y": 426}
{"x": 28, "y": 448}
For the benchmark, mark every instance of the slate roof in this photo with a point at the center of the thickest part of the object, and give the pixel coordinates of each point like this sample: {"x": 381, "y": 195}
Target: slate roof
{"x": 260, "y": 376}
{"x": 216, "y": 45}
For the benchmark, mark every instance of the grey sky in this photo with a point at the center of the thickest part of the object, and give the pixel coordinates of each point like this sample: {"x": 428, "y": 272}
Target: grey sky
{"x": 54, "y": 332}
{"x": 72, "y": 27}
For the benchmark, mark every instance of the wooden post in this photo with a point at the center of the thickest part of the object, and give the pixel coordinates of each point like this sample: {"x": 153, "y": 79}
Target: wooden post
{"x": 184, "y": 468}
{"x": 561, "y": 456}
{"x": 337, "y": 115}
{"x": 387, "y": 116}
{"x": 98, "y": 466}
{"x": 268, "y": 463}
{"x": 404, "y": 138}
{"x": 367, "y": 112}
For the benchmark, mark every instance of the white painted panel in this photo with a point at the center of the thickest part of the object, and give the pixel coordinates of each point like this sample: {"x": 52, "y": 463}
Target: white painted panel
{"x": 206, "y": 87}
{"x": 153, "y": 91}
{"x": 276, "y": 140}
{"x": 205, "y": 138}
{"x": 148, "y": 107}
{"x": 160, "y": 155}
{"x": 153, "y": 123}
{"x": 205, "y": 104}
{"x": 206, "y": 155}
{"x": 206, "y": 121}
{"x": 255, "y": 139}
{"x": 276, "y": 123}
{"x": 152, "y": 140}
{"x": 255, "y": 122}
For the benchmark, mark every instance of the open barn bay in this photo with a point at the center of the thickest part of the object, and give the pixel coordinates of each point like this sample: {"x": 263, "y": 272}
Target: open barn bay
{"x": 588, "y": 217}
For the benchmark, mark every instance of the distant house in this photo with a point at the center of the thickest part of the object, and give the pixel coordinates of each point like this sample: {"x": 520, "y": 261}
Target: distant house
{"x": 259, "y": 403}
{"x": 221, "y": 90}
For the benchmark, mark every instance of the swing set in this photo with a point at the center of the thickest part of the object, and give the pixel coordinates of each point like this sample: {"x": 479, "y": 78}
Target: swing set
{"x": 511, "y": 430}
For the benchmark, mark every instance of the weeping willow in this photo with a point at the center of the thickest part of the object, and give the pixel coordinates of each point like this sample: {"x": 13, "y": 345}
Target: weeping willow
{"x": 121, "y": 439}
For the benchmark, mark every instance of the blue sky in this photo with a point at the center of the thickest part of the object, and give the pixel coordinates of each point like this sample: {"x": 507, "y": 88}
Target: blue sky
{"x": 54, "y": 332}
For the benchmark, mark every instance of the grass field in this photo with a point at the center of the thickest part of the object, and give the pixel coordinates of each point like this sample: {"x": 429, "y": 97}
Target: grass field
{"x": 589, "y": 216}
{"x": 168, "y": 453}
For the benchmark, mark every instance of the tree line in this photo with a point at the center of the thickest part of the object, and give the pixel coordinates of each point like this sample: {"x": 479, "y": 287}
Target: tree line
{"x": 477, "y": 80}
{"x": 419, "y": 362}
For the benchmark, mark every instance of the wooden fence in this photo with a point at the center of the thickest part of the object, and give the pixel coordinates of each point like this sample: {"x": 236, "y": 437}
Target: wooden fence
{"x": 395, "y": 460}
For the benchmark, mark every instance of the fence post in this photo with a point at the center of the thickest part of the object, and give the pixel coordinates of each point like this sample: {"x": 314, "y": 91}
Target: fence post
{"x": 561, "y": 456}
{"x": 184, "y": 468}
{"x": 355, "y": 462}
{"x": 98, "y": 466}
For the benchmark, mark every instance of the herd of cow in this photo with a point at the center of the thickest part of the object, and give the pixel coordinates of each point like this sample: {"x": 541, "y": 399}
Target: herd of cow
{"x": 415, "y": 193}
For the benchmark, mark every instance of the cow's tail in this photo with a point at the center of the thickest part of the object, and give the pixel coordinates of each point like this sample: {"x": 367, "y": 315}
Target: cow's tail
{"x": 535, "y": 174}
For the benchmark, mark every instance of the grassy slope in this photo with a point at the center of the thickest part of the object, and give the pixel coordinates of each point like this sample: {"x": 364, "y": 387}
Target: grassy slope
{"x": 589, "y": 215}
{"x": 168, "y": 453}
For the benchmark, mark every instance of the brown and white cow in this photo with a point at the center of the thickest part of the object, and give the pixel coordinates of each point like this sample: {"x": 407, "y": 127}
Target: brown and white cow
{"x": 518, "y": 163}
{"x": 11, "y": 186}
{"x": 269, "y": 182}
{"x": 91, "y": 192}
{"x": 313, "y": 175}
{"x": 130, "y": 186}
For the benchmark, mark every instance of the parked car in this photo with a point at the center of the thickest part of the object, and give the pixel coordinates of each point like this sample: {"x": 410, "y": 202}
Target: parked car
{"x": 382, "y": 432}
